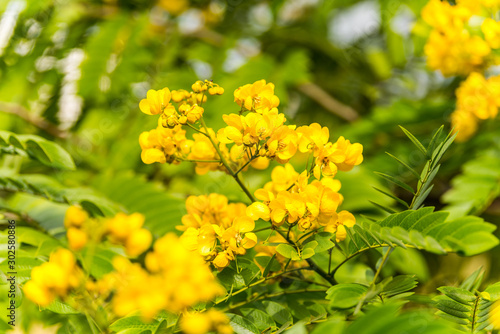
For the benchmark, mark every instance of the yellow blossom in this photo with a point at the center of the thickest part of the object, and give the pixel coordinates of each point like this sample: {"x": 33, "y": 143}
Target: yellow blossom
{"x": 77, "y": 238}
{"x": 55, "y": 278}
{"x": 476, "y": 96}
{"x": 75, "y": 216}
{"x": 202, "y": 323}
{"x": 127, "y": 230}
{"x": 338, "y": 223}
{"x": 458, "y": 53}
{"x": 491, "y": 31}
{"x": 495, "y": 315}
{"x": 156, "y": 101}
{"x": 258, "y": 97}
{"x": 445, "y": 17}
{"x": 239, "y": 235}
{"x": 179, "y": 278}
{"x": 464, "y": 123}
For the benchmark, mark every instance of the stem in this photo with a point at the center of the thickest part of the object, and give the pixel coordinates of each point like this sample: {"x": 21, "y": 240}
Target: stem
{"x": 246, "y": 164}
{"x": 269, "y": 295}
{"x": 262, "y": 229}
{"x": 311, "y": 263}
{"x": 224, "y": 162}
{"x": 384, "y": 260}
{"x": 197, "y": 130}
{"x": 330, "y": 261}
{"x": 362, "y": 251}
{"x": 264, "y": 279}
{"x": 195, "y": 160}
{"x": 372, "y": 284}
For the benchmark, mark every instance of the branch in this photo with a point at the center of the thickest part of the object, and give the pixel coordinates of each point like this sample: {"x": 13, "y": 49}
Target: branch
{"x": 334, "y": 106}
{"x": 39, "y": 122}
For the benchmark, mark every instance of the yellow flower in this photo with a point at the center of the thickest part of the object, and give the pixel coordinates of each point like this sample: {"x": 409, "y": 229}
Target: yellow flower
{"x": 458, "y": 53}
{"x": 282, "y": 145}
{"x": 57, "y": 277}
{"x": 75, "y": 216}
{"x": 222, "y": 259}
{"x": 164, "y": 145}
{"x": 249, "y": 130}
{"x": 464, "y": 123}
{"x": 151, "y": 149}
{"x": 180, "y": 95}
{"x": 312, "y": 137}
{"x": 445, "y": 17}
{"x": 156, "y": 101}
{"x": 337, "y": 224}
{"x": 495, "y": 315}
{"x": 38, "y": 293}
{"x": 202, "y": 240}
{"x": 174, "y": 7}
{"x": 239, "y": 235}
{"x": 491, "y": 31}
{"x": 202, "y": 149}
{"x": 178, "y": 277}
{"x": 477, "y": 96}
{"x": 126, "y": 230}
{"x": 342, "y": 155}
{"x": 77, "y": 238}
{"x": 202, "y": 323}
{"x": 258, "y": 210}
{"x": 258, "y": 97}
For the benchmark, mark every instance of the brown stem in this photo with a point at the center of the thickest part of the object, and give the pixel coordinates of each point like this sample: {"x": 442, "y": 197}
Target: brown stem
{"x": 331, "y": 104}
{"x": 39, "y": 122}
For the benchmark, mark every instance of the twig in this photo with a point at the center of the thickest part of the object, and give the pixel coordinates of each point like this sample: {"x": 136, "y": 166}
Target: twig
{"x": 39, "y": 122}
{"x": 334, "y": 106}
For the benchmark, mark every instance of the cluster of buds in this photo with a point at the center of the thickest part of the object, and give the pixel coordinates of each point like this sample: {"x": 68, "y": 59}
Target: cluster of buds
{"x": 122, "y": 229}
{"x": 55, "y": 278}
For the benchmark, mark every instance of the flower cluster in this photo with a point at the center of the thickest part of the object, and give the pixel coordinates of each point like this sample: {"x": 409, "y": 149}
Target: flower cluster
{"x": 455, "y": 48}
{"x": 451, "y": 47}
{"x": 164, "y": 145}
{"x": 205, "y": 322}
{"x": 495, "y": 315}
{"x": 309, "y": 206}
{"x": 76, "y": 229}
{"x": 122, "y": 229}
{"x": 258, "y": 134}
{"x": 216, "y": 229}
{"x": 127, "y": 230}
{"x": 178, "y": 277}
{"x": 478, "y": 99}
{"x": 55, "y": 278}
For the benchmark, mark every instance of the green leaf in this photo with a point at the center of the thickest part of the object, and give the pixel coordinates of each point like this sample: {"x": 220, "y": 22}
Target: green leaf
{"x": 344, "y": 296}
{"x": 386, "y": 319}
{"x": 270, "y": 264}
{"x": 404, "y": 164}
{"x": 279, "y": 313}
{"x": 397, "y": 182}
{"x": 460, "y": 295}
{"x": 397, "y": 199}
{"x": 133, "y": 325}
{"x": 162, "y": 211}
{"x": 38, "y": 148}
{"x": 61, "y": 308}
{"x": 260, "y": 319}
{"x": 414, "y": 140}
{"x": 398, "y": 285}
{"x": 324, "y": 240}
{"x": 241, "y": 325}
{"x": 288, "y": 251}
{"x": 424, "y": 229}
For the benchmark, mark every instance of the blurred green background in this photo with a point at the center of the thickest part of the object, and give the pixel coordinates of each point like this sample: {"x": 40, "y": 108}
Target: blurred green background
{"x": 74, "y": 72}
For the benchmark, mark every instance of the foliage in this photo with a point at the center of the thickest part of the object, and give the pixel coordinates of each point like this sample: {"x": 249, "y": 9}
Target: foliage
{"x": 236, "y": 211}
